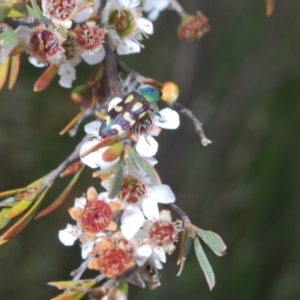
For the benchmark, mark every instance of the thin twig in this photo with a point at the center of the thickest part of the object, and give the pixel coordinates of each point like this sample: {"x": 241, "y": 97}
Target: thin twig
{"x": 198, "y": 125}
{"x": 185, "y": 219}
{"x": 56, "y": 172}
{"x": 78, "y": 272}
{"x": 72, "y": 132}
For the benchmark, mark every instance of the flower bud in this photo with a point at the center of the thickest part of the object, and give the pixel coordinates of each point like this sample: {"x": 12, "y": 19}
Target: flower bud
{"x": 192, "y": 27}
{"x": 170, "y": 92}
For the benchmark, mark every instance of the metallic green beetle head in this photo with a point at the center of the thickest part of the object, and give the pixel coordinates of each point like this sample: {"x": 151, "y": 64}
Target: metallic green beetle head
{"x": 150, "y": 93}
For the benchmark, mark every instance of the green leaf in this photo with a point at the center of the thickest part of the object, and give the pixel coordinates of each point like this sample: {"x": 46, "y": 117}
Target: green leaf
{"x": 22, "y": 222}
{"x": 133, "y": 159}
{"x": 80, "y": 289}
{"x": 61, "y": 198}
{"x": 4, "y": 10}
{"x": 204, "y": 263}
{"x": 20, "y": 207}
{"x": 213, "y": 241}
{"x": 62, "y": 285}
{"x": 187, "y": 246}
{"x": 3, "y": 217}
{"x": 117, "y": 181}
{"x": 10, "y": 41}
{"x": 8, "y": 202}
{"x": 32, "y": 12}
{"x": 37, "y": 10}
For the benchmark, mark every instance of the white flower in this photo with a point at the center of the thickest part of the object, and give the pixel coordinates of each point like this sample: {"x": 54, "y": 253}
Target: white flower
{"x": 146, "y": 145}
{"x": 64, "y": 11}
{"x": 95, "y": 159}
{"x": 128, "y": 25}
{"x": 67, "y": 71}
{"x": 154, "y": 7}
{"x": 89, "y": 39}
{"x": 140, "y": 203}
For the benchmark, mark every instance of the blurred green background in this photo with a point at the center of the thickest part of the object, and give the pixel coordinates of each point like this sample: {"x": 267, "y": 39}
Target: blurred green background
{"x": 243, "y": 82}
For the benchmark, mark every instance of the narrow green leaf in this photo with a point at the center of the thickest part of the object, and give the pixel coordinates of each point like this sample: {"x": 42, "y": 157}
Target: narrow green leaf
{"x": 8, "y": 202}
{"x": 4, "y": 67}
{"x": 4, "y": 10}
{"x": 62, "y": 285}
{"x": 3, "y": 218}
{"x": 18, "y": 10}
{"x": 9, "y": 42}
{"x": 61, "y": 198}
{"x": 117, "y": 181}
{"x": 133, "y": 159}
{"x": 78, "y": 294}
{"x": 14, "y": 71}
{"x": 20, "y": 207}
{"x": 204, "y": 263}
{"x": 213, "y": 241}
{"x": 37, "y": 10}
{"x": 22, "y": 222}
{"x": 187, "y": 246}
{"x": 32, "y": 12}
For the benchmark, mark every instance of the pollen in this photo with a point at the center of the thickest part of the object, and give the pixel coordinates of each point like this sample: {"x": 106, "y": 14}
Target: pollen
{"x": 132, "y": 190}
{"x": 90, "y": 37}
{"x": 123, "y": 21}
{"x": 113, "y": 262}
{"x": 44, "y": 44}
{"x": 61, "y": 9}
{"x": 96, "y": 216}
{"x": 163, "y": 233}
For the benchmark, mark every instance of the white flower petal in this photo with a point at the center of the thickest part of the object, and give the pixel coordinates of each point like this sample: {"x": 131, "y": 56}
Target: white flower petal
{"x": 114, "y": 37}
{"x": 159, "y": 253}
{"x": 146, "y": 146}
{"x": 83, "y": 15}
{"x": 162, "y": 194}
{"x": 80, "y": 202}
{"x": 67, "y": 74}
{"x": 68, "y": 235}
{"x": 142, "y": 254}
{"x": 96, "y": 5}
{"x": 136, "y": 279}
{"x": 104, "y": 197}
{"x": 128, "y": 47}
{"x": 171, "y": 118}
{"x": 86, "y": 248}
{"x": 151, "y": 160}
{"x": 130, "y": 3}
{"x": 132, "y": 220}
{"x": 93, "y": 58}
{"x": 94, "y": 159}
{"x": 65, "y": 23}
{"x": 150, "y": 208}
{"x": 145, "y": 25}
{"x": 93, "y": 128}
{"x": 113, "y": 102}
{"x": 36, "y": 63}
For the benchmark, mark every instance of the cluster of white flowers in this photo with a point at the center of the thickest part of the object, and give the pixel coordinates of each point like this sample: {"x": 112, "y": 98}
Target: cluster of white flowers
{"x": 76, "y": 29}
{"x": 128, "y": 229}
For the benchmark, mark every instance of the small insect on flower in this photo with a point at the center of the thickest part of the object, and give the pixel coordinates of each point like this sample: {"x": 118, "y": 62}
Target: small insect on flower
{"x": 126, "y": 113}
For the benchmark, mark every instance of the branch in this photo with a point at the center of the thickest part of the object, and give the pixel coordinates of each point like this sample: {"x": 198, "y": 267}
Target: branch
{"x": 198, "y": 125}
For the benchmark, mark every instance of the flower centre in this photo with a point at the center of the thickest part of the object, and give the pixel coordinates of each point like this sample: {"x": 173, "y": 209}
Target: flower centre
{"x": 113, "y": 262}
{"x": 162, "y": 234}
{"x": 61, "y": 9}
{"x": 96, "y": 216}
{"x": 123, "y": 22}
{"x": 44, "y": 44}
{"x": 90, "y": 37}
{"x": 132, "y": 190}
